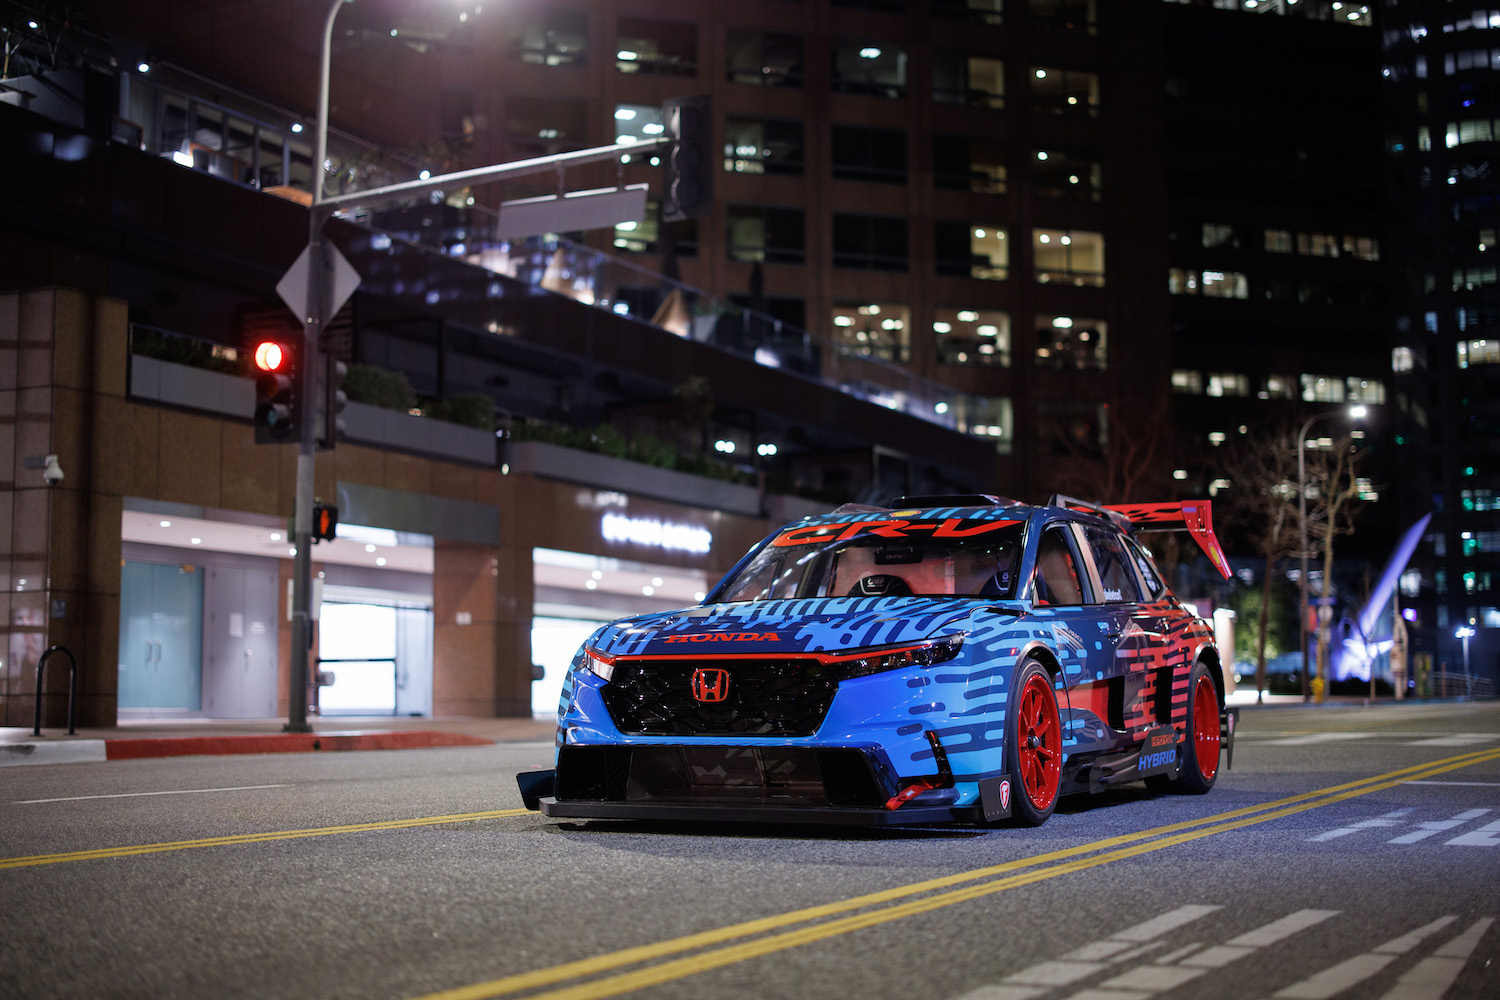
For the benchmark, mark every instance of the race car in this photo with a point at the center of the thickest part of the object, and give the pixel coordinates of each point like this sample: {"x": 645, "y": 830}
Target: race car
{"x": 936, "y": 660}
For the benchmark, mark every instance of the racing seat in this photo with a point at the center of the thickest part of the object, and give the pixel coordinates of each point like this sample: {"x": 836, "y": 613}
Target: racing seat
{"x": 879, "y": 585}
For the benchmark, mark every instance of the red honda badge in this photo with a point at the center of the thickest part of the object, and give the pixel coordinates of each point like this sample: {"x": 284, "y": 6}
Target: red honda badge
{"x": 710, "y": 684}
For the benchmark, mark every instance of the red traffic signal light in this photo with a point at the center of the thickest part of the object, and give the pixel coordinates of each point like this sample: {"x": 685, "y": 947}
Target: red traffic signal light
{"x": 277, "y": 415}
{"x": 325, "y": 522}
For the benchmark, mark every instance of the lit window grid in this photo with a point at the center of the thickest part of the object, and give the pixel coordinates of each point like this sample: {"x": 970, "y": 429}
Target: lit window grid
{"x": 1077, "y": 342}
{"x": 1065, "y": 176}
{"x": 1068, "y": 256}
{"x": 1478, "y": 352}
{"x": 976, "y": 337}
{"x": 879, "y": 330}
{"x": 1064, "y": 92}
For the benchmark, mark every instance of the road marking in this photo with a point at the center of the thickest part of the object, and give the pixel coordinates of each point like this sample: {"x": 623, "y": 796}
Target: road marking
{"x": 252, "y": 838}
{"x": 1091, "y": 958}
{"x": 1162, "y": 975}
{"x": 133, "y": 795}
{"x": 1337, "y": 978}
{"x": 1434, "y": 827}
{"x": 1389, "y": 819}
{"x": 1468, "y": 784}
{"x": 1486, "y": 836}
{"x": 1457, "y": 740}
{"x": 723, "y": 951}
{"x": 1311, "y": 738}
{"x": 1430, "y": 978}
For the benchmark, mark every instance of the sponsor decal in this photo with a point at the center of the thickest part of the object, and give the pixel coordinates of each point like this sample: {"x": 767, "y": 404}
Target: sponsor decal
{"x": 725, "y": 637}
{"x": 710, "y": 684}
{"x": 952, "y": 527}
{"x": 1159, "y": 752}
{"x": 1005, "y": 794}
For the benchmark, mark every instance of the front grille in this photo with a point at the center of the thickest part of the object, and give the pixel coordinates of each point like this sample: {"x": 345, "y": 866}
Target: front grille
{"x": 795, "y": 776}
{"x": 770, "y": 697}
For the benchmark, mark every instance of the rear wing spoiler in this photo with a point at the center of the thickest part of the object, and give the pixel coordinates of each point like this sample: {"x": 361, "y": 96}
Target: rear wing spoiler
{"x": 1174, "y": 515}
{"x": 1194, "y": 516}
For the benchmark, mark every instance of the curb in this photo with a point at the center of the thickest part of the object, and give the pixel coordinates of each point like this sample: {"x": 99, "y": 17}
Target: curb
{"x": 74, "y": 751}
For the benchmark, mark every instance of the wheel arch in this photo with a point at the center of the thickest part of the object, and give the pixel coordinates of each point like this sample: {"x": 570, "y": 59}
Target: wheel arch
{"x": 1209, "y": 657}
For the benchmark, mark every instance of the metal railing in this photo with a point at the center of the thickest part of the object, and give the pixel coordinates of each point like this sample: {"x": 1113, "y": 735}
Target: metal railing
{"x": 41, "y": 664}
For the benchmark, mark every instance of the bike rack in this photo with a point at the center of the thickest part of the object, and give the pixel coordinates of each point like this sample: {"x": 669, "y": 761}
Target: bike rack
{"x": 41, "y": 664}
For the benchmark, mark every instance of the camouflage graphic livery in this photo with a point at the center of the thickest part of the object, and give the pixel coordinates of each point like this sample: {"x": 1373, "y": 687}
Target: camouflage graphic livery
{"x": 936, "y": 660}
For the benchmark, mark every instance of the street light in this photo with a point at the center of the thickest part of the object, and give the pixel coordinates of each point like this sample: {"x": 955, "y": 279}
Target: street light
{"x": 1463, "y": 633}
{"x": 1356, "y": 412}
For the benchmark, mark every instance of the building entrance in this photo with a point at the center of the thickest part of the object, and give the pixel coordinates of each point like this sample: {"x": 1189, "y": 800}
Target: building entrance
{"x": 161, "y": 639}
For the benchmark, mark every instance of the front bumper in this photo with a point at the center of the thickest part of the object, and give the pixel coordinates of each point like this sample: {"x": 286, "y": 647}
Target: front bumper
{"x": 768, "y": 784}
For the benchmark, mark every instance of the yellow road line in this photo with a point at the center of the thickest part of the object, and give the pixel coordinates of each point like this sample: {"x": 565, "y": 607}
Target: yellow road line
{"x": 1128, "y": 846}
{"x": 252, "y": 838}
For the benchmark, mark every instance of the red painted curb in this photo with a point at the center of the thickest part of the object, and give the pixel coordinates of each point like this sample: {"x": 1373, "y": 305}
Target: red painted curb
{"x": 182, "y": 746}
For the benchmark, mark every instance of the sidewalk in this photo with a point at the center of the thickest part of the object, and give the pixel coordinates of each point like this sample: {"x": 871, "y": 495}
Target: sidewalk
{"x": 134, "y": 739}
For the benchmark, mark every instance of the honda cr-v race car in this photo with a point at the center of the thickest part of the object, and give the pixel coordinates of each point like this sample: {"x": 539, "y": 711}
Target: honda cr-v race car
{"x": 940, "y": 659}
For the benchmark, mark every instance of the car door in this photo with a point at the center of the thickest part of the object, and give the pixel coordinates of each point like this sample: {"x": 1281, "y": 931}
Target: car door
{"x": 1131, "y": 625}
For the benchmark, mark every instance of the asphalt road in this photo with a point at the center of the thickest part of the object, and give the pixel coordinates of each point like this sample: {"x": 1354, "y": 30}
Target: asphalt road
{"x": 1349, "y": 852}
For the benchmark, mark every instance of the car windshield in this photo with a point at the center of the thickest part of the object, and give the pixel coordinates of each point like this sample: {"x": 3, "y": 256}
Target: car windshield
{"x": 916, "y": 559}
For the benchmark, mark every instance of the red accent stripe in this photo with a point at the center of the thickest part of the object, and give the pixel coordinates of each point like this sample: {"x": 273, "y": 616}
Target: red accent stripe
{"x": 181, "y": 746}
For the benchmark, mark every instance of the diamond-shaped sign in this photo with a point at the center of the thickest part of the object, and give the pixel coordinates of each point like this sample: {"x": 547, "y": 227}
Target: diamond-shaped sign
{"x": 342, "y": 281}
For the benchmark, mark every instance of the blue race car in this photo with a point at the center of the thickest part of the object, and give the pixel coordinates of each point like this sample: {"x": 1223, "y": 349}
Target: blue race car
{"x": 938, "y": 660}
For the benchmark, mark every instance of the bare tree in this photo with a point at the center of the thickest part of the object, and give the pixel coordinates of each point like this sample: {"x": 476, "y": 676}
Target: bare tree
{"x": 1122, "y": 458}
{"x": 1263, "y": 474}
{"x": 1333, "y": 504}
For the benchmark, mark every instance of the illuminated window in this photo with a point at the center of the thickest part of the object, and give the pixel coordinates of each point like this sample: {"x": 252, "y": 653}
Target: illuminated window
{"x": 1071, "y": 342}
{"x": 1068, "y": 256}
{"x": 1066, "y": 176}
{"x": 960, "y": 163}
{"x": 764, "y": 59}
{"x": 1225, "y": 285}
{"x": 1071, "y": 93}
{"x": 1278, "y": 387}
{"x": 553, "y": 38}
{"x": 752, "y": 146}
{"x": 964, "y": 250}
{"x": 1470, "y": 278}
{"x": 540, "y": 126}
{"x": 637, "y": 123}
{"x": 1478, "y": 352}
{"x": 1187, "y": 383}
{"x": 1278, "y": 241}
{"x": 1402, "y": 359}
{"x": 1322, "y": 389}
{"x": 1362, "y": 247}
{"x": 875, "y": 69}
{"x": 645, "y": 236}
{"x": 1480, "y": 501}
{"x": 959, "y": 78}
{"x": 1182, "y": 281}
{"x": 988, "y": 417}
{"x": 1217, "y": 235}
{"x": 880, "y": 330}
{"x": 662, "y": 48}
{"x": 1228, "y": 384}
{"x": 1318, "y": 244}
{"x": 972, "y": 337}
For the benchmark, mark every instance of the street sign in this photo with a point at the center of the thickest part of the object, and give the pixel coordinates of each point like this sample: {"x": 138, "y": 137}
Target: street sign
{"x": 293, "y": 285}
{"x": 575, "y": 210}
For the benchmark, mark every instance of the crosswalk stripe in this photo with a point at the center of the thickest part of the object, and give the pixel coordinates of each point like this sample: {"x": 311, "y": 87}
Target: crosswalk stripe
{"x": 1337, "y": 978}
{"x": 1432, "y": 828}
{"x": 1430, "y": 978}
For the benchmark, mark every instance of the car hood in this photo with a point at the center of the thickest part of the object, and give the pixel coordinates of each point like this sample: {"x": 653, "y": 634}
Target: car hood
{"x": 793, "y": 626}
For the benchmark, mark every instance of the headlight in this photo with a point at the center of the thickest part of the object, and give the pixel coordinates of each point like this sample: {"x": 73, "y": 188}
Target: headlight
{"x": 881, "y": 658}
{"x": 599, "y": 663}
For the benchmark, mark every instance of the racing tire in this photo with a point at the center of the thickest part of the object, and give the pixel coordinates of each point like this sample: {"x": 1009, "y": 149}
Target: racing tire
{"x": 1200, "y": 751}
{"x": 1033, "y": 746}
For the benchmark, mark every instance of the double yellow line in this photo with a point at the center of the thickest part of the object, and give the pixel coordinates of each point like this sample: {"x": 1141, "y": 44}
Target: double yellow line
{"x": 252, "y": 838}
{"x": 723, "y": 946}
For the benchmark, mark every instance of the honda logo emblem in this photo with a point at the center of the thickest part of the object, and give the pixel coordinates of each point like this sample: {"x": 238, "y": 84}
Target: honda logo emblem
{"x": 710, "y": 684}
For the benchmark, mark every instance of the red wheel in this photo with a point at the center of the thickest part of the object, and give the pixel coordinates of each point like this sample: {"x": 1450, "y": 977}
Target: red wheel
{"x": 1205, "y": 731}
{"x": 1035, "y": 745}
{"x": 1200, "y": 757}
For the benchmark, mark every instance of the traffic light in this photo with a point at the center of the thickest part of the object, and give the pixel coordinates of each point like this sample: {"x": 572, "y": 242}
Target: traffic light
{"x": 278, "y": 417}
{"x": 325, "y": 522}
{"x": 688, "y": 177}
{"x": 330, "y": 424}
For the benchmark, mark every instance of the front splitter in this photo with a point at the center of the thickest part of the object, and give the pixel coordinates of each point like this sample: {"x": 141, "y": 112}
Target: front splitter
{"x": 720, "y": 813}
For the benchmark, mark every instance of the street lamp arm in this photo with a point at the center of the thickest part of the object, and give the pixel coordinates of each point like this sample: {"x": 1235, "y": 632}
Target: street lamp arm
{"x": 321, "y": 150}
